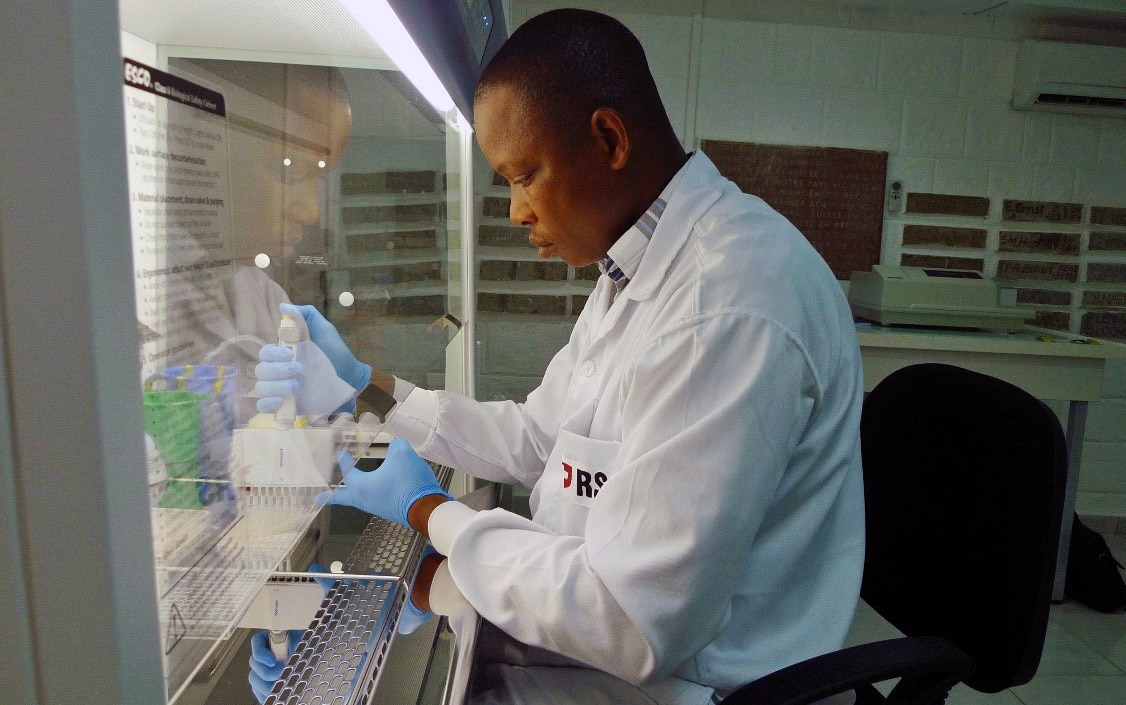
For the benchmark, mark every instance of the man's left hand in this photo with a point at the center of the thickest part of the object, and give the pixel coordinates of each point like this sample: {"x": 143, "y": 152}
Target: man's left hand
{"x": 388, "y": 491}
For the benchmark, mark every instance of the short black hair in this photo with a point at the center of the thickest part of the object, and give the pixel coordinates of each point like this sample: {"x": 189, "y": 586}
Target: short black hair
{"x": 567, "y": 63}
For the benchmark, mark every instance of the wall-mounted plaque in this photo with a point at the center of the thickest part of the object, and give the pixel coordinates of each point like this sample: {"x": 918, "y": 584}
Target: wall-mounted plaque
{"x": 834, "y": 196}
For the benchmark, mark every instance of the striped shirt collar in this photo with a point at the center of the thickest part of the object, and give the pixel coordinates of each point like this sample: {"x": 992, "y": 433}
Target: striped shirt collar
{"x": 624, "y": 258}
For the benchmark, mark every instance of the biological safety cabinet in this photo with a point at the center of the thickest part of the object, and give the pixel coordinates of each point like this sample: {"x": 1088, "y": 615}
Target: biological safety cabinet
{"x": 171, "y": 174}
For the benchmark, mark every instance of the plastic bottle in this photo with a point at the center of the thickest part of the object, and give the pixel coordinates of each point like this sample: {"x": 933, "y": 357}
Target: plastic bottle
{"x": 289, "y": 335}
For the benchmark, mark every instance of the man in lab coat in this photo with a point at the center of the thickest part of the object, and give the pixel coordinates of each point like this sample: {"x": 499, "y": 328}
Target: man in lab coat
{"x": 692, "y": 452}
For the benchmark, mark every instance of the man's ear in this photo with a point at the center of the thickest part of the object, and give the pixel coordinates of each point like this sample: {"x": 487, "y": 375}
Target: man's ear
{"x": 611, "y": 136}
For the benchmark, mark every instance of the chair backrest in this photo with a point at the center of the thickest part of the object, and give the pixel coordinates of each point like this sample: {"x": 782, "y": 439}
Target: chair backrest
{"x": 964, "y": 479}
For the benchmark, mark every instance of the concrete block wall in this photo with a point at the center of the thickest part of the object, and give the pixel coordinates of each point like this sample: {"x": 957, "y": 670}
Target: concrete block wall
{"x": 397, "y": 186}
{"x": 931, "y": 91}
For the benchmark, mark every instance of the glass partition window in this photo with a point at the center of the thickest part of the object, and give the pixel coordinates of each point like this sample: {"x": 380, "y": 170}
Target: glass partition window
{"x": 255, "y": 184}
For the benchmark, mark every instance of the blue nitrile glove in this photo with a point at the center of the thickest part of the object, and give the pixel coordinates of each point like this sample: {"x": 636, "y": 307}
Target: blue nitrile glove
{"x": 265, "y": 669}
{"x": 388, "y": 491}
{"x": 278, "y": 376}
{"x": 328, "y": 339}
{"x": 264, "y": 666}
{"x": 325, "y": 583}
{"x": 412, "y": 617}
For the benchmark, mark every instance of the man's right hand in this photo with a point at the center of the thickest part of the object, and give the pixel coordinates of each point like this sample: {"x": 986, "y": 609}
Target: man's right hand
{"x": 279, "y": 375}
{"x": 265, "y": 667}
{"x": 328, "y": 339}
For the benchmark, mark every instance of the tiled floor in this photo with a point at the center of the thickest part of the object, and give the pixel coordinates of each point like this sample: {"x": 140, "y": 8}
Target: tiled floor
{"x": 1084, "y": 659}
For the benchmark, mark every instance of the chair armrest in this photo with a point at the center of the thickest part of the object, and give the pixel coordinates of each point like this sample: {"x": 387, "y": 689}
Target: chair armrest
{"x": 928, "y": 667}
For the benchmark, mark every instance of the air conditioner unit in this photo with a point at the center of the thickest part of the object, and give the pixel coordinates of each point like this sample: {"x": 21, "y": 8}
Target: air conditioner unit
{"x": 1070, "y": 78}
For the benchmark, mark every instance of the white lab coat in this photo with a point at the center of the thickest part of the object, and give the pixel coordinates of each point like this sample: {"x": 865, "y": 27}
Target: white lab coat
{"x": 694, "y": 459}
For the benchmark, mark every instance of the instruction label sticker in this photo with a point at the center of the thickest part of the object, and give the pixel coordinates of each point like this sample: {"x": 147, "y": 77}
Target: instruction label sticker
{"x": 179, "y": 190}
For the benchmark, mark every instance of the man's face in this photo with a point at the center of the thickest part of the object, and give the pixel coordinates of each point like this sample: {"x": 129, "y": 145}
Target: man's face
{"x": 276, "y": 184}
{"x": 562, "y": 186}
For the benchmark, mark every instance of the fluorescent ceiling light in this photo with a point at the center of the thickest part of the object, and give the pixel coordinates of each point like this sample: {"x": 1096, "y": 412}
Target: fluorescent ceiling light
{"x": 381, "y": 22}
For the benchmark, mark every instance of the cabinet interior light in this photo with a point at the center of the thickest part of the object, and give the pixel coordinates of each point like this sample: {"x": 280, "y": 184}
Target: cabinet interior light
{"x": 380, "y": 21}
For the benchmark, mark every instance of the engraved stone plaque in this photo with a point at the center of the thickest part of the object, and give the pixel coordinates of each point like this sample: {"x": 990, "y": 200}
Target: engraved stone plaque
{"x": 943, "y": 236}
{"x": 1047, "y": 243}
{"x": 1054, "y": 320}
{"x": 1041, "y": 212}
{"x": 1104, "y": 299}
{"x": 945, "y": 204}
{"x": 495, "y": 207}
{"x": 835, "y": 197}
{"x": 1101, "y": 215}
{"x": 1043, "y": 297}
{"x": 1114, "y": 272}
{"x": 1104, "y": 324}
{"x": 1048, "y": 271}
{"x": 938, "y": 262}
{"x": 1112, "y": 241}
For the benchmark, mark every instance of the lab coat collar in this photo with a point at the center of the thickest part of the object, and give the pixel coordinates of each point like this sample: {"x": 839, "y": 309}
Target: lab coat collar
{"x": 700, "y": 186}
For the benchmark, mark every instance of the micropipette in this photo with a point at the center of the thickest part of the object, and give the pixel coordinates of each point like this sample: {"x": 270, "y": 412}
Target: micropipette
{"x": 289, "y": 335}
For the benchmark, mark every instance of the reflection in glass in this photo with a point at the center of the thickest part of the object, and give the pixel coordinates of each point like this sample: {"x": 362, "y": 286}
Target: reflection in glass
{"x": 321, "y": 186}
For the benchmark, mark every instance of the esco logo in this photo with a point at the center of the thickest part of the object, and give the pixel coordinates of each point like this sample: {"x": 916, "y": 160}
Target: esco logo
{"x": 137, "y": 75}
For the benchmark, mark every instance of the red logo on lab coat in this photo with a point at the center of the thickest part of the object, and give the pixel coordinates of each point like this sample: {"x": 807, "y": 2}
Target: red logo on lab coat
{"x": 583, "y": 481}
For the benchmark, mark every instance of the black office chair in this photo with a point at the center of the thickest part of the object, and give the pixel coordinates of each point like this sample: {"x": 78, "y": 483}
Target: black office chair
{"x": 964, "y": 479}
